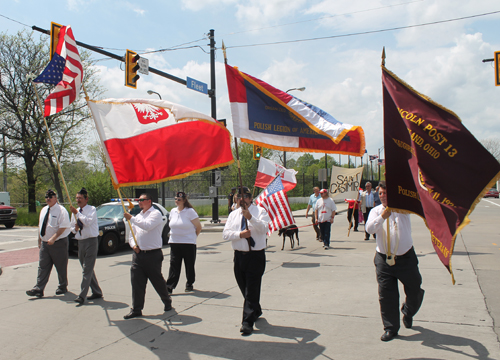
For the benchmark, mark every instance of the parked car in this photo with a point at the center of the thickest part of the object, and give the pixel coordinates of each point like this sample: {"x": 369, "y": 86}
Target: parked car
{"x": 113, "y": 227}
{"x": 8, "y": 216}
{"x": 492, "y": 193}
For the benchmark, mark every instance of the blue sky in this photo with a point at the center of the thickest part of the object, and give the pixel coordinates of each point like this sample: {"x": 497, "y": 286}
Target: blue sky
{"x": 342, "y": 74}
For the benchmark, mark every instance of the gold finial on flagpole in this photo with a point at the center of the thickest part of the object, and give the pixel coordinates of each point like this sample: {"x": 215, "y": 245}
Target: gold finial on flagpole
{"x": 383, "y": 56}
{"x": 224, "y": 51}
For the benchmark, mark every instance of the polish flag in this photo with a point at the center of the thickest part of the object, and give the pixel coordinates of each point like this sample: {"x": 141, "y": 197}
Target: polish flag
{"x": 150, "y": 141}
{"x": 268, "y": 171}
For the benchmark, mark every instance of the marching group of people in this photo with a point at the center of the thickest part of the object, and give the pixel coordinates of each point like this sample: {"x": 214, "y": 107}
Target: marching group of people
{"x": 246, "y": 228}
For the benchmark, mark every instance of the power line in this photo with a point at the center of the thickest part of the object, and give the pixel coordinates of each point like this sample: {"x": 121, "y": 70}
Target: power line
{"x": 321, "y": 18}
{"x": 364, "y": 32}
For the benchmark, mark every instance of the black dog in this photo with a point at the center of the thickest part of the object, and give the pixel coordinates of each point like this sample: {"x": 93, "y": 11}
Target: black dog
{"x": 289, "y": 231}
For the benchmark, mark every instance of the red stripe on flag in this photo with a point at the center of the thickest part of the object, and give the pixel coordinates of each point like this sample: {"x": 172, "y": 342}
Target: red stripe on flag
{"x": 169, "y": 151}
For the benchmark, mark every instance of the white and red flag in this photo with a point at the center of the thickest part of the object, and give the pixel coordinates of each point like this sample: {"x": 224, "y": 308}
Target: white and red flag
{"x": 275, "y": 201}
{"x": 65, "y": 71}
{"x": 150, "y": 141}
{"x": 268, "y": 170}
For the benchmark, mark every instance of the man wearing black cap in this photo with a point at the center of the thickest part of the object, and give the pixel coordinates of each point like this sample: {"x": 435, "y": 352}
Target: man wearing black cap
{"x": 246, "y": 227}
{"x": 53, "y": 230}
{"x": 86, "y": 229}
{"x": 148, "y": 256}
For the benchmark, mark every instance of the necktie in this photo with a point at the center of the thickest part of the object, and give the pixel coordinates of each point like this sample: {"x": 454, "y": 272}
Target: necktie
{"x": 80, "y": 224}
{"x": 44, "y": 223}
{"x": 251, "y": 241}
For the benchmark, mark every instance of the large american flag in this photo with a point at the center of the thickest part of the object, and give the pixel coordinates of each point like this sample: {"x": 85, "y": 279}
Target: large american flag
{"x": 65, "y": 71}
{"x": 275, "y": 201}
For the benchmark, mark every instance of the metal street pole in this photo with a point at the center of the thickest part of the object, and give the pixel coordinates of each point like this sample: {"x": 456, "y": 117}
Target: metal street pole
{"x": 211, "y": 94}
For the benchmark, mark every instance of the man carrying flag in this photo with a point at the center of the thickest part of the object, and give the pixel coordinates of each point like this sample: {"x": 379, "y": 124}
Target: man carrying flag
{"x": 246, "y": 227}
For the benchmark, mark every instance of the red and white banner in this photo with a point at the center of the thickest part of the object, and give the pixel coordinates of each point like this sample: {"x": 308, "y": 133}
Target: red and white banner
{"x": 149, "y": 141}
{"x": 268, "y": 170}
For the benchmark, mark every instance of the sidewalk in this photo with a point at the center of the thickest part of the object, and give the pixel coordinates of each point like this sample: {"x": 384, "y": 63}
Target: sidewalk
{"x": 317, "y": 304}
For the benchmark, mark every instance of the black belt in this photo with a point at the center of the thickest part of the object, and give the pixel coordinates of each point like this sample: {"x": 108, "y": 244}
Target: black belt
{"x": 146, "y": 251}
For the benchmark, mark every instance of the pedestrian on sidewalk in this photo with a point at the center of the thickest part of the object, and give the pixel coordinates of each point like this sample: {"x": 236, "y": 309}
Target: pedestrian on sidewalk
{"x": 392, "y": 263}
{"x": 325, "y": 210}
{"x": 311, "y": 205}
{"x": 185, "y": 226}
{"x": 247, "y": 228}
{"x": 147, "y": 257}
{"x": 86, "y": 229}
{"x": 53, "y": 230}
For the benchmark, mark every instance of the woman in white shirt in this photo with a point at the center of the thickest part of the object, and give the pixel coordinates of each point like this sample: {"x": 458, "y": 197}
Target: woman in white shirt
{"x": 185, "y": 226}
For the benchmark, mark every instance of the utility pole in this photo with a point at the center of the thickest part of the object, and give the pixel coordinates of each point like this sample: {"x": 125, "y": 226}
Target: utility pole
{"x": 211, "y": 94}
{"x": 4, "y": 165}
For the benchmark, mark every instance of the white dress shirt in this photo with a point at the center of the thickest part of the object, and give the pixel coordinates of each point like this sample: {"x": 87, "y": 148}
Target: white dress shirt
{"x": 400, "y": 226}
{"x": 58, "y": 218}
{"x": 88, "y": 217}
{"x": 147, "y": 229}
{"x": 258, "y": 226}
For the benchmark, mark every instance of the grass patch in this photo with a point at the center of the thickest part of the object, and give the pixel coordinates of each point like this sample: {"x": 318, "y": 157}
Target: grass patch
{"x": 25, "y": 218}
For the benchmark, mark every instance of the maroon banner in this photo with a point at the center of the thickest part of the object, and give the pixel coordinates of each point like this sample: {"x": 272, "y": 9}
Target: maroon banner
{"x": 435, "y": 167}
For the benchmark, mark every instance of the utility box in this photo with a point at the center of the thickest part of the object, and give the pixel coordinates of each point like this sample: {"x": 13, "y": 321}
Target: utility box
{"x": 4, "y": 198}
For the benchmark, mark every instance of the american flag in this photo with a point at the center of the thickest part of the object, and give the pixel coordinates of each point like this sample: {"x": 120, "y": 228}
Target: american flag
{"x": 373, "y": 157}
{"x": 65, "y": 71}
{"x": 381, "y": 162}
{"x": 275, "y": 201}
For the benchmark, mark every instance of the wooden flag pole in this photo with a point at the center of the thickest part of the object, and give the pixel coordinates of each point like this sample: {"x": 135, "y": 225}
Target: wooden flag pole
{"x": 117, "y": 188}
{"x": 31, "y": 77}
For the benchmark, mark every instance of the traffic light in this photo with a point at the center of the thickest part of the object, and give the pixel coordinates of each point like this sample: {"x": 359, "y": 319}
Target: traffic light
{"x": 54, "y": 37}
{"x": 131, "y": 67}
{"x": 257, "y": 152}
{"x": 497, "y": 68}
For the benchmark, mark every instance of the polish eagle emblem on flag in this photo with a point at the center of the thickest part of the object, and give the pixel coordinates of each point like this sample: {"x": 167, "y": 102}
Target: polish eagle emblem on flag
{"x": 147, "y": 113}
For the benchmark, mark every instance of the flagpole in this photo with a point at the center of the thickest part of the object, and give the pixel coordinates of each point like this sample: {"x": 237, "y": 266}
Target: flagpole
{"x": 31, "y": 77}
{"x": 117, "y": 188}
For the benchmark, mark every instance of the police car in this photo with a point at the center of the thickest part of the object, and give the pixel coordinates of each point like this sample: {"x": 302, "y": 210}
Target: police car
{"x": 113, "y": 227}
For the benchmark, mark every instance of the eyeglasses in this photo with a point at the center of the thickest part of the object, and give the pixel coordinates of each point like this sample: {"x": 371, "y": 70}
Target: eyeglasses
{"x": 49, "y": 197}
{"x": 142, "y": 200}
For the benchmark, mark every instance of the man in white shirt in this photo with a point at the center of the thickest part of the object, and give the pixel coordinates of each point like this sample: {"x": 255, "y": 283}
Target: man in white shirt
{"x": 395, "y": 260}
{"x": 148, "y": 256}
{"x": 86, "y": 229}
{"x": 53, "y": 230}
{"x": 247, "y": 227}
{"x": 325, "y": 210}
{"x": 311, "y": 205}
{"x": 367, "y": 204}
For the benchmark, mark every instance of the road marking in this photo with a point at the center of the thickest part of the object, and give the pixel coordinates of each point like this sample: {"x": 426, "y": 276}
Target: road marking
{"x": 491, "y": 202}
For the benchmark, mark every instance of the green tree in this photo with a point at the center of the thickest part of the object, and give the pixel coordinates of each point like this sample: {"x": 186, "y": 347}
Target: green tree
{"x": 21, "y": 121}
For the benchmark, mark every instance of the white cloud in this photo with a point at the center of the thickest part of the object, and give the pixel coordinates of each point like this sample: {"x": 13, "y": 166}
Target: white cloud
{"x": 197, "y": 5}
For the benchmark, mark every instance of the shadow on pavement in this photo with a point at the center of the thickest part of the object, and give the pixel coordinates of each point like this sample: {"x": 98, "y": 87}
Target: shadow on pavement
{"x": 445, "y": 342}
{"x": 167, "y": 341}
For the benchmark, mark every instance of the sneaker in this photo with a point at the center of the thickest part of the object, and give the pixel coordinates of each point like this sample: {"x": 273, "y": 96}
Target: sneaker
{"x": 326, "y": 247}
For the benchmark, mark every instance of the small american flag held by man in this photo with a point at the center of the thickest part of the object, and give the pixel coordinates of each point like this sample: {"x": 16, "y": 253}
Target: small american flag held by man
{"x": 65, "y": 71}
{"x": 275, "y": 201}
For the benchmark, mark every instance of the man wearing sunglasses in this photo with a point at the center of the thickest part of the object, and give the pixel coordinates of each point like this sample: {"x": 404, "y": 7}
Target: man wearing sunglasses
{"x": 53, "y": 231}
{"x": 147, "y": 257}
{"x": 246, "y": 227}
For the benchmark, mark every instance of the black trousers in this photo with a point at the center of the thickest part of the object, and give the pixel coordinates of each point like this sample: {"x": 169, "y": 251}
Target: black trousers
{"x": 350, "y": 212}
{"x": 365, "y": 216}
{"x": 406, "y": 271}
{"x": 248, "y": 270}
{"x": 179, "y": 252}
{"x": 147, "y": 265}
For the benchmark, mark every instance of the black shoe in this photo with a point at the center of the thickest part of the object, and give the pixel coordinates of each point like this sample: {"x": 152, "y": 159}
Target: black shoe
{"x": 246, "y": 329}
{"x": 94, "y": 296}
{"x": 132, "y": 314}
{"x": 407, "y": 321}
{"x": 356, "y": 230}
{"x": 388, "y": 335}
{"x": 366, "y": 239}
{"x": 79, "y": 300}
{"x": 35, "y": 292}
{"x": 189, "y": 288}
{"x": 60, "y": 291}
{"x": 167, "y": 307}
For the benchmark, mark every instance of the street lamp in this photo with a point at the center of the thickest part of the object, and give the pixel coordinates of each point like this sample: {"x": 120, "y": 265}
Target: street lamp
{"x": 151, "y": 92}
{"x": 298, "y": 89}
